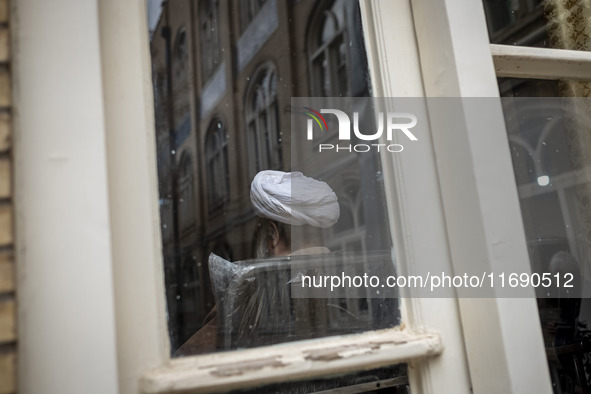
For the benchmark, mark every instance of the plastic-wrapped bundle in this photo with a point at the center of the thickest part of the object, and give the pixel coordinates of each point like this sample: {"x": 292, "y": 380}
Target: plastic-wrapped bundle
{"x": 262, "y": 302}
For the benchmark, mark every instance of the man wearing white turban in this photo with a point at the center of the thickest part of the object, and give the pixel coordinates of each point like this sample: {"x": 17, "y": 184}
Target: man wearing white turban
{"x": 294, "y": 208}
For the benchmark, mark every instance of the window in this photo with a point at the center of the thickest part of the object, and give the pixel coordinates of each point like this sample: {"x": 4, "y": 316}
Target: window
{"x": 453, "y": 201}
{"x": 255, "y": 108}
{"x": 209, "y": 38}
{"x": 546, "y": 138}
{"x": 421, "y": 213}
{"x": 216, "y": 152}
{"x": 328, "y": 52}
{"x": 264, "y": 135}
{"x": 516, "y": 22}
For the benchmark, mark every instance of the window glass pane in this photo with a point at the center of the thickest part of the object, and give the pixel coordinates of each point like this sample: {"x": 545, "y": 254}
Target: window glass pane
{"x": 548, "y": 139}
{"x": 549, "y": 23}
{"x": 222, "y": 116}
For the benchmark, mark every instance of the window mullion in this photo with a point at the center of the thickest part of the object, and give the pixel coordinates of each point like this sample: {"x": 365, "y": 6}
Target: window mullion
{"x": 540, "y": 63}
{"x": 416, "y": 218}
{"x": 476, "y": 169}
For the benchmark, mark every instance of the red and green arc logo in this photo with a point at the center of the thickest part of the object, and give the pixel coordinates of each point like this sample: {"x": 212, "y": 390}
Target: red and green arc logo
{"x": 316, "y": 116}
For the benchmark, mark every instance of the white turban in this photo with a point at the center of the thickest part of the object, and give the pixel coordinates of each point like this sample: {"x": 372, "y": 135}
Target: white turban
{"x": 292, "y": 198}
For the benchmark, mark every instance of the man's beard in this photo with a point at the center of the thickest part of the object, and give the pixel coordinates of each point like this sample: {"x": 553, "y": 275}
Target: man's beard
{"x": 263, "y": 251}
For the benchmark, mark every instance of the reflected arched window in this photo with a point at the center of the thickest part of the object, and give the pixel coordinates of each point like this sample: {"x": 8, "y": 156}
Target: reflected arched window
{"x": 209, "y": 36}
{"x": 262, "y": 120}
{"x": 328, "y": 52}
{"x": 216, "y": 153}
{"x": 186, "y": 196}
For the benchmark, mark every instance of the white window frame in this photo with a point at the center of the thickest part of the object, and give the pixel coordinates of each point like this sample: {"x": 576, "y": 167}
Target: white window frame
{"x": 489, "y": 234}
{"x": 541, "y": 63}
{"x": 415, "y": 49}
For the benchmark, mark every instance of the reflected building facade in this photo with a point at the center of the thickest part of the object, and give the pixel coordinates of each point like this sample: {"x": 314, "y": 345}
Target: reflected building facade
{"x": 224, "y": 73}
